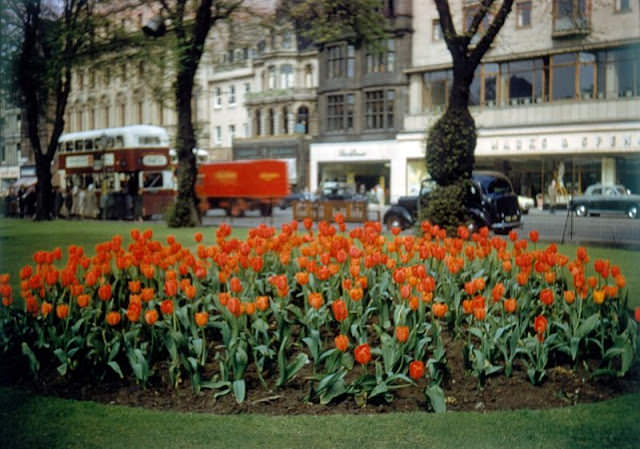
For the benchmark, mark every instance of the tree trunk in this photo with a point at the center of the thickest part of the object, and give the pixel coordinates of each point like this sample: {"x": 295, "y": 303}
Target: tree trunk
{"x": 186, "y": 211}
{"x": 44, "y": 204}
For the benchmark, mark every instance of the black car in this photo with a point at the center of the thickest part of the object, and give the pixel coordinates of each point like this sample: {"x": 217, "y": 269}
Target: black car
{"x": 491, "y": 202}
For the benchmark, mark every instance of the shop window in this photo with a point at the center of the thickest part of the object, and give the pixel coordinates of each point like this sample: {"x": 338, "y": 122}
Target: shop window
{"x": 523, "y": 14}
{"x": 381, "y": 59}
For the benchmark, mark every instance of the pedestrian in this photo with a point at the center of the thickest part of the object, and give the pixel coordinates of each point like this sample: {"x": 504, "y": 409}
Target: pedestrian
{"x": 68, "y": 202}
{"x": 21, "y": 201}
{"x": 91, "y": 202}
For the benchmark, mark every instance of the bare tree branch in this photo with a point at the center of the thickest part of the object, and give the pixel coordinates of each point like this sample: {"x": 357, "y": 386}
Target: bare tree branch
{"x": 478, "y": 17}
{"x": 492, "y": 32}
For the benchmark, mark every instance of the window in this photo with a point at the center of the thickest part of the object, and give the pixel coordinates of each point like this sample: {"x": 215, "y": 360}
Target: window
{"x": 218, "y": 135}
{"x": 623, "y": 5}
{"x": 218, "y": 103}
{"x": 570, "y": 15}
{"x": 245, "y": 126}
{"x": 247, "y": 88}
{"x": 271, "y": 122}
{"x": 232, "y": 94}
{"x": 92, "y": 79}
{"x": 232, "y": 133}
{"x": 107, "y": 119}
{"x": 271, "y": 77}
{"x": 92, "y": 118}
{"x": 286, "y": 76}
{"x": 436, "y": 31}
{"x": 123, "y": 113}
{"x": 381, "y": 60}
{"x": 123, "y": 72}
{"x": 140, "y": 112}
{"x": 490, "y": 77}
{"x": 160, "y": 109}
{"x": 526, "y": 80}
{"x": 258, "y": 123}
{"x": 379, "y": 106}
{"x": 437, "y": 85}
{"x": 302, "y": 121}
{"x": 287, "y": 40}
{"x": 564, "y": 76}
{"x": 341, "y": 61}
{"x": 587, "y": 75}
{"x": 523, "y": 15}
{"x": 261, "y": 47}
{"x": 308, "y": 76}
{"x": 285, "y": 120}
{"x": 469, "y": 12}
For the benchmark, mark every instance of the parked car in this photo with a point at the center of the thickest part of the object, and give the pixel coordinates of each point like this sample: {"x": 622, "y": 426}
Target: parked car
{"x": 298, "y": 196}
{"x": 340, "y": 191}
{"x": 599, "y": 199}
{"x": 491, "y": 202}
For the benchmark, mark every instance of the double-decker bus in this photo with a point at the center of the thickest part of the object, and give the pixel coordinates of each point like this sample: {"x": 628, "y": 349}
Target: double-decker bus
{"x": 130, "y": 167}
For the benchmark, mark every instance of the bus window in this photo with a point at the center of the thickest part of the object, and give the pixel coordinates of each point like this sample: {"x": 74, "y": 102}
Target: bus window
{"x": 152, "y": 180}
{"x": 88, "y": 144}
{"x": 78, "y": 145}
{"x": 149, "y": 140}
{"x": 119, "y": 142}
{"x": 69, "y": 146}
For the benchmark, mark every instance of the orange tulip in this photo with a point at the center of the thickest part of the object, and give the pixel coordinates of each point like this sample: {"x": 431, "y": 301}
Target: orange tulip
{"x": 510, "y": 305}
{"x": 147, "y": 294}
{"x": 598, "y": 296}
{"x": 166, "y": 307}
{"x": 113, "y": 318}
{"x": 339, "y": 309}
{"x": 569, "y": 296}
{"x": 134, "y": 286}
{"x": 356, "y": 293}
{"x": 151, "y": 316}
{"x": 362, "y": 354}
{"x": 46, "y": 308}
{"x": 262, "y": 303}
{"x": 341, "y": 342}
{"x": 202, "y": 318}
{"x": 62, "y": 310}
{"x": 439, "y": 309}
{"x": 479, "y": 313}
{"x": 250, "y": 308}
{"x": 104, "y": 292}
{"x": 416, "y": 369}
{"x": 402, "y": 333}
{"x": 315, "y": 300}
{"x": 234, "y": 306}
{"x": 546, "y": 296}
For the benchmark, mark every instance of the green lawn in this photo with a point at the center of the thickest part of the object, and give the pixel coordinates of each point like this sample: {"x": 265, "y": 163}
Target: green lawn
{"x": 31, "y": 421}
{"x": 28, "y": 421}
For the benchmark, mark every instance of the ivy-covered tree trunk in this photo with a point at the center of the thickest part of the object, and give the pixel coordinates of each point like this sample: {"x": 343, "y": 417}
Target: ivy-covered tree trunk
{"x": 451, "y": 141}
{"x": 450, "y": 157}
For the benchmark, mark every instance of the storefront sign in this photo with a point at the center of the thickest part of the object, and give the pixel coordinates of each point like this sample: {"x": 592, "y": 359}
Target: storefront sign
{"x": 85, "y": 160}
{"x": 565, "y": 143}
{"x": 351, "y": 153}
{"x": 154, "y": 160}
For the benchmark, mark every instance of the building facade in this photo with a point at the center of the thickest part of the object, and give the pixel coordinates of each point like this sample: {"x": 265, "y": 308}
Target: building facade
{"x": 362, "y": 99}
{"x": 10, "y": 143}
{"x": 556, "y": 97}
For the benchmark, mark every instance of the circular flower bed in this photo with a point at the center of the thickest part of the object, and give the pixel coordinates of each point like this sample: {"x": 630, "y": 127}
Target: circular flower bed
{"x": 363, "y": 313}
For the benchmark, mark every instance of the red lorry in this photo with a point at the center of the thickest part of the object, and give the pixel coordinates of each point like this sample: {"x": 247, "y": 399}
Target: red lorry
{"x": 239, "y": 186}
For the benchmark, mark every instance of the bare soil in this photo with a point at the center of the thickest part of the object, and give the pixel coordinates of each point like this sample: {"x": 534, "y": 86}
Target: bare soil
{"x": 564, "y": 386}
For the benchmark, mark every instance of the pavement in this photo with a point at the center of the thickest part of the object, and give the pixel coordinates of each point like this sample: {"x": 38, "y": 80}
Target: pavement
{"x": 610, "y": 231}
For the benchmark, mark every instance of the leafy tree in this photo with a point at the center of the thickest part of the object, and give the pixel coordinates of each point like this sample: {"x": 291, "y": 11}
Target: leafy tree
{"x": 53, "y": 35}
{"x": 452, "y": 139}
{"x": 189, "y": 23}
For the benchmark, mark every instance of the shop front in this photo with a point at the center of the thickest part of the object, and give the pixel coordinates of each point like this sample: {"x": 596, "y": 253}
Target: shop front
{"x": 375, "y": 168}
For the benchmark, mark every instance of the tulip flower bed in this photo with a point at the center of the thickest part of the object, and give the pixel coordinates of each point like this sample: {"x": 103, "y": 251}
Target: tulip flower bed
{"x": 360, "y": 314}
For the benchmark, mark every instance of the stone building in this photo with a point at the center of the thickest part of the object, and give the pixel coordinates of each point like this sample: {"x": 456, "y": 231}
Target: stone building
{"x": 557, "y": 95}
